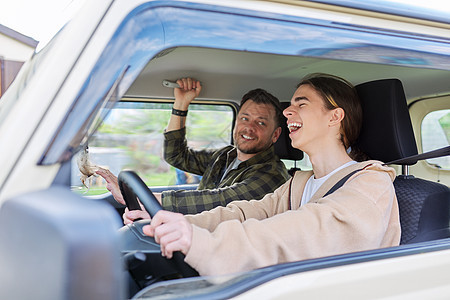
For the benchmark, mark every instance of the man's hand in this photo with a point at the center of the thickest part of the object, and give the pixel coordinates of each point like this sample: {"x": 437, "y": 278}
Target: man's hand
{"x": 188, "y": 91}
{"x": 172, "y": 231}
{"x": 112, "y": 184}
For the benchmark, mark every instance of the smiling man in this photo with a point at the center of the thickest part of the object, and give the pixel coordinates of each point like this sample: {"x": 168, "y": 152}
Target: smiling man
{"x": 249, "y": 169}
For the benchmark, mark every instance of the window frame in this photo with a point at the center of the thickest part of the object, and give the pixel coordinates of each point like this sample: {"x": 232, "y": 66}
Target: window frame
{"x": 418, "y": 109}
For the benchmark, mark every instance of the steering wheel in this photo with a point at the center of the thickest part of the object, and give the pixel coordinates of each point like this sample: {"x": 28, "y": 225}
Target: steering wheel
{"x": 132, "y": 187}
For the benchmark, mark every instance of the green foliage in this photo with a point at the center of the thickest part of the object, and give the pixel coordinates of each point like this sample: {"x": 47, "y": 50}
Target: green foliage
{"x": 444, "y": 121}
{"x": 205, "y": 122}
{"x": 160, "y": 179}
{"x": 209, "y": 126}
{"x": 133, "y": 131}
{"x": 135, "y": 122}
{"x": 83, "y": 191}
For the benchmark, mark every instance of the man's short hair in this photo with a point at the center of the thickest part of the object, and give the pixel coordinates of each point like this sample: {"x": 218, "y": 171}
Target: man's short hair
{"x": 262, "y": 96}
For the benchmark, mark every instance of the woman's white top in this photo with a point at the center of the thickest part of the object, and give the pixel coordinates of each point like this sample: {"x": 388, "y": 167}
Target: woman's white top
{"x": 313, "y": 184}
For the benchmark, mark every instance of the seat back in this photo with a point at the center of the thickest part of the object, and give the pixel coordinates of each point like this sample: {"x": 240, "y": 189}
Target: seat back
{"x": 283, "y": 146}
{"x": 424, "y": 209}
{"x": 387, "y": 135}
{"x": 57, "y": 245}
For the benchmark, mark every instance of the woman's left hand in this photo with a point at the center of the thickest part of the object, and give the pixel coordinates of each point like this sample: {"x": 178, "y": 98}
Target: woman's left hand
{"x": 172, "y": 231}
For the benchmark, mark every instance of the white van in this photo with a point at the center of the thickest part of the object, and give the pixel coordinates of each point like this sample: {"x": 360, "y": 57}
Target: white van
{"x": 99, "y": 82}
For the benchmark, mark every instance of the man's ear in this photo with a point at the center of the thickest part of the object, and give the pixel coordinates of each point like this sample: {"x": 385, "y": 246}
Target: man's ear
{"x": 276, "y": 134}
{"x": 337, "y": 116}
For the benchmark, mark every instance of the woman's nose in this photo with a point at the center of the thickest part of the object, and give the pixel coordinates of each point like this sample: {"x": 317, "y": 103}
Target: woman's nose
{"x": 287, "y": 111}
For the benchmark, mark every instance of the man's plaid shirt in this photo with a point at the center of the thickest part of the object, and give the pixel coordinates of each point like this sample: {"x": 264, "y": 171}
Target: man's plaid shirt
{"x": 252, "y": 179}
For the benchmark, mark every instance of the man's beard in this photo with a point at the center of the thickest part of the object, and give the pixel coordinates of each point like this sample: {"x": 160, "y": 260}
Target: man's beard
{"x": 252, "y": 150}
{"x": 255, "y": 149}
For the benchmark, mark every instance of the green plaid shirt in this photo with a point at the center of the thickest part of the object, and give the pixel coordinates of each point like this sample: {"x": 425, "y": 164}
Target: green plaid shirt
{"x": 252, "y": 179}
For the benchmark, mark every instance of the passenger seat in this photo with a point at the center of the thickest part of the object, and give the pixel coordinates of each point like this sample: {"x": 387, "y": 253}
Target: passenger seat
{"x": 387, "y": 135}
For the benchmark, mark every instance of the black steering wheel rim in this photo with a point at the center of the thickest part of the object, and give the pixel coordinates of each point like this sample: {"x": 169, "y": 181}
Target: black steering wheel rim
{"x": 132, "y": 187}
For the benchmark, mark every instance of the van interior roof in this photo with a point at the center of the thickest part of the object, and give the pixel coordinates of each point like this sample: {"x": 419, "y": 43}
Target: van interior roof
{"x": 227, "y": 75}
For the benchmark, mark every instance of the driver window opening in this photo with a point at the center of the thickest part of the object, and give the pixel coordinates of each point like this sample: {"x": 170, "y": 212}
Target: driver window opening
{"x": 131, "y": 137}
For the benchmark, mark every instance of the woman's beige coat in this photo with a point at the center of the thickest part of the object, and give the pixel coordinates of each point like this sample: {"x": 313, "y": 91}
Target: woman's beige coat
{"x": 361, "y": 215}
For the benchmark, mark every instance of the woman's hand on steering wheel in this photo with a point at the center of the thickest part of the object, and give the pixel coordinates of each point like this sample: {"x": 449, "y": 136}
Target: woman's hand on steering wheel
{"x": 129, "y": 216}
{"x": 172, "y": 231}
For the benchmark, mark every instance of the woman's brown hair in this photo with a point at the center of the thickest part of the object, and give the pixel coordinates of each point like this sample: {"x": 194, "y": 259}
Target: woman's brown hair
{"x": 338, "y": 92}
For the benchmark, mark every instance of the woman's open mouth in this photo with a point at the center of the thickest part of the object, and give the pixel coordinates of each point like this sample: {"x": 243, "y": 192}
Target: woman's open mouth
{"x": 294, "y": 126}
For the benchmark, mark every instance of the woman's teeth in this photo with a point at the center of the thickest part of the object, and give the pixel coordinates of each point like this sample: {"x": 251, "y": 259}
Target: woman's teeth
{"x": 294, "y": 126}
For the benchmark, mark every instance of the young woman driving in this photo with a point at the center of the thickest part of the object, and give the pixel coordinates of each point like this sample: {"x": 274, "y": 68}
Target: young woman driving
{"x": 297, "y": 221}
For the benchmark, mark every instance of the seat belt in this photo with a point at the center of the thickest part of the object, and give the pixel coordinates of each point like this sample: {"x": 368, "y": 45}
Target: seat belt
{"x": 441, "y": 152}
{"x": 341, "y": 182}
{"x": 402, "y": 161}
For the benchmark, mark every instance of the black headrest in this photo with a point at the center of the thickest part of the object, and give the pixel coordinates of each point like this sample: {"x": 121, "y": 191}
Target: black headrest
{"x": 283, "y": 147}
{"x": 386, "y": 132}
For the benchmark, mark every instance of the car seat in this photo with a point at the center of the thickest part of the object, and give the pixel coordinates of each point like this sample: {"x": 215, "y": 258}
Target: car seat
{"x": 387, "y": 135}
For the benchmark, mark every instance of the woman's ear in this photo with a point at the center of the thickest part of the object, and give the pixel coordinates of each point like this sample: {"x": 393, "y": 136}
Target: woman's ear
{"x": 337, "y": 116}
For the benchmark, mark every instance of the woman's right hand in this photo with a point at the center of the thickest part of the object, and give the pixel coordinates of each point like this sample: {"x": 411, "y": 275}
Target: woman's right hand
{"x": 172, "y": 231}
